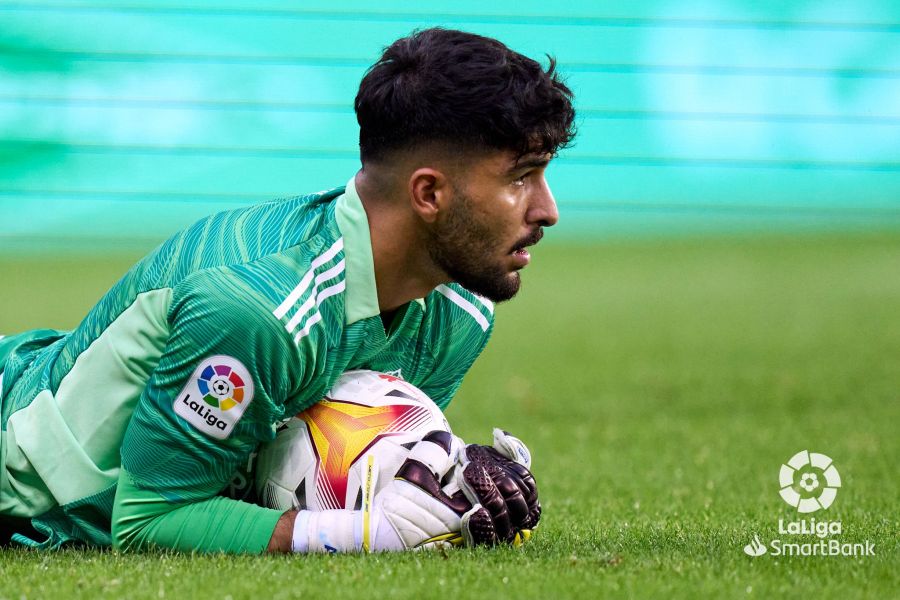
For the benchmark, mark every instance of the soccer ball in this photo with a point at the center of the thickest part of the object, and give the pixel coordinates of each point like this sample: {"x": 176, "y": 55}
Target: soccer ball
{"x": 317, "y": 459}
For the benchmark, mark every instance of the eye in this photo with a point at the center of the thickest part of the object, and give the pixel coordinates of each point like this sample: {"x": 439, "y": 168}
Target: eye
{"x": 520, "y": 181}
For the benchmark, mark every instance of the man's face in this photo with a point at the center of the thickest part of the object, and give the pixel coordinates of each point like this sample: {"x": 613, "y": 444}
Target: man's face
{"x": 499, "y": 207}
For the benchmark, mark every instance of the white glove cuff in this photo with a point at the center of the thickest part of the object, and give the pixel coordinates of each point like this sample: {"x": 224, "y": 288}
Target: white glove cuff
{"x": 300, "y": 538}
{"x": 327, "y": 531}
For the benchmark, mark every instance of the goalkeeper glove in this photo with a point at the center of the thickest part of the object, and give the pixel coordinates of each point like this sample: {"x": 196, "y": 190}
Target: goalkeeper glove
{"x": 411, "y": 512}
{"x": 497, "y": 481}
{"x": 491, "y": 498}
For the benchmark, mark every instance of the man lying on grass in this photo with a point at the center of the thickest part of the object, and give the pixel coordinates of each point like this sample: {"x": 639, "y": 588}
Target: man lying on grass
{"x": 394, "y": 272}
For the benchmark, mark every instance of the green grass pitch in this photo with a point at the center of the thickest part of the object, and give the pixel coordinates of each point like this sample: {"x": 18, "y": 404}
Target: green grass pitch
{"x": 660, "y": 385}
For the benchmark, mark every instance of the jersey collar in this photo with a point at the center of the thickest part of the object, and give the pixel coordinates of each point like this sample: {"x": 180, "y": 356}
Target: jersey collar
{"x": 361, "y": 296}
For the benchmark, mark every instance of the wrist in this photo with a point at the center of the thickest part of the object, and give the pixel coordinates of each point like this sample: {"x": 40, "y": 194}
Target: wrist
{"x": 281, "y": 535}
{"x": 327, "y": 531}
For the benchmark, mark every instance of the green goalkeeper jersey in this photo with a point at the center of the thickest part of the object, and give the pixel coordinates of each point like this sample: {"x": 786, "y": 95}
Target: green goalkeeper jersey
{"x": 126, "y": 429}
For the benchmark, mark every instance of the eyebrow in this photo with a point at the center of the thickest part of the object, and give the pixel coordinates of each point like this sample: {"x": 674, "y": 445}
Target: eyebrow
{"x": 537, "y": 161}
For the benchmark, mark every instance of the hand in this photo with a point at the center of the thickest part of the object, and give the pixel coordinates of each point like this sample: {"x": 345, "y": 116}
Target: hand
{"x": 495, "y": 499}
{"x": 411, "y": 512}
{"x": 500, "y": 486}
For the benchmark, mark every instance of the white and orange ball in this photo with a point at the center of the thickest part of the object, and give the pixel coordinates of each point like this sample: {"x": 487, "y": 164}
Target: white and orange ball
{"x": 317, "y": 459}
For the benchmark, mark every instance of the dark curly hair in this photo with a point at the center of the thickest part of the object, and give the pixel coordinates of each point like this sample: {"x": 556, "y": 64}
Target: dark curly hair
{"x": 464, "y": 90}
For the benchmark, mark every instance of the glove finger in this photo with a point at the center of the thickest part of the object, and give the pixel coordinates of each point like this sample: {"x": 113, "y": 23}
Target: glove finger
{"x": 428, "y": 461}
{"x": 478, "y": 528}
{"x": 460, "y": 497}
{"x": 435, "y": 449}
{"x": 524, "y": 475}
{"x": 491, "y": 455}
{"x": 525, "y": 485}
{"x": 534, "y": 517}
{"x": 482, "y": 485}
{"x": 512, "y": 447}
{"x": 514, "y": 481}
{"x": 516, "y": 504}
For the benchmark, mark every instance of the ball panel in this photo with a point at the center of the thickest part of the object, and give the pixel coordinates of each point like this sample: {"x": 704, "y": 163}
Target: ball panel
{"x": 275, "y": 496}
{"x": 325, "y": 446}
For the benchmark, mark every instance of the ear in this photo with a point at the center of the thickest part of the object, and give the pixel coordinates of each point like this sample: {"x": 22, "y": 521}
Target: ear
{"x": 429, "y": 193}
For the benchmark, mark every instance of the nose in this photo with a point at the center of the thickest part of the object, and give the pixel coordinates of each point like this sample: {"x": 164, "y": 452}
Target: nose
{"x": 542, "y": 208}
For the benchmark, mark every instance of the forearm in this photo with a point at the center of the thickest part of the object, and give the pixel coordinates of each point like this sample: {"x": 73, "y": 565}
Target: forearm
{"x": 143, "y": 519}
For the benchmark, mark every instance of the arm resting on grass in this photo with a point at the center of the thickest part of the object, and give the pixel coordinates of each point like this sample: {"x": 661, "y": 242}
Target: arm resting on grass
{"x": 143, "y": 519}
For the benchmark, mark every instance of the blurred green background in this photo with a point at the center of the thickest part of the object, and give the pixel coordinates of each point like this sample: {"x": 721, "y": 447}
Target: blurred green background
{"x": 730, "y": 213}
{"x": 120, "y": 122}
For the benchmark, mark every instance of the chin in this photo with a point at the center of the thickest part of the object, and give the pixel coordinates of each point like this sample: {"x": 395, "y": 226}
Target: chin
{"x": 496, "y": 282}
{"x": 502, "y": 289}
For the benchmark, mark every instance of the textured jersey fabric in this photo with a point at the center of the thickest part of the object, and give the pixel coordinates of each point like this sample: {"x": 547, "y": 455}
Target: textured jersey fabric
{"x": 195, "y": 355}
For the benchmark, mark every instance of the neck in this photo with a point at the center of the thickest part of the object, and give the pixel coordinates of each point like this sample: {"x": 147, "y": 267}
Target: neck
{"x": 403, "y": 269}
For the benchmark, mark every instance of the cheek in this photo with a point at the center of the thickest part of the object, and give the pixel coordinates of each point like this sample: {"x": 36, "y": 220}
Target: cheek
{"x": 513, "y": 198}
{"x": 513, "y": 213}
{"x": 506, "y": 209}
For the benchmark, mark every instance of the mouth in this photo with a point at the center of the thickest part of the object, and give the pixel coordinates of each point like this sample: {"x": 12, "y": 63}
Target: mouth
{"x": 520, "y": 253}
{"x": 521, "y": 258}
{"x": 529, "y": 240}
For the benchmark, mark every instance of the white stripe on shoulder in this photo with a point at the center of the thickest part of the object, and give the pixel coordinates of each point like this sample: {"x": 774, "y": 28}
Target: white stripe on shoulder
{"x": 311, "y": 301}
{"x": 465, "y": 305}
{"x": 487, "y": 303}
{"x": 317, "y": 316}
{"x": 298, "y": 291}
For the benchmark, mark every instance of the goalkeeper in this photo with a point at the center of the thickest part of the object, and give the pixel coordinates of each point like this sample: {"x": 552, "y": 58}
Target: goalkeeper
{"x": 125, "y": 430}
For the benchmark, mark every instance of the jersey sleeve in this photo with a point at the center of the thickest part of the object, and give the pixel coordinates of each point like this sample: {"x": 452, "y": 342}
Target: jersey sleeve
{"x": 462, "y": 323}
{"x": 220, "y": 386}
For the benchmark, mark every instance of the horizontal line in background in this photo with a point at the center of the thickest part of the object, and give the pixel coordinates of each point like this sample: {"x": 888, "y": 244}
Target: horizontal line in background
{"x": 148, "y": 196}
{"x": 170, "y": 103}
{"x": 20, "y": 238}
{"x": 581, "y": 206}
{"x": 264, "y": 106}
{"x": 667, "y": 161}
{"x": 581, "y": 20}
{"x": 739, "y": 117}
{"x": 175, "y": 57}
{"x": 861, "y": 212}
{"x": 207, "y": 151}
{"x": 730, "y": 70}
{"x": 178, "y": 57}
{"x": 290, "y": 152}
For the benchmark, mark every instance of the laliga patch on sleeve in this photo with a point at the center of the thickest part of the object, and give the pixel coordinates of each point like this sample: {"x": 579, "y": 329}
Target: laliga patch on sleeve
{"x": 216, "y": 396}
